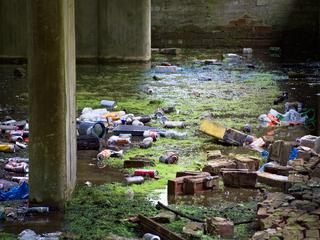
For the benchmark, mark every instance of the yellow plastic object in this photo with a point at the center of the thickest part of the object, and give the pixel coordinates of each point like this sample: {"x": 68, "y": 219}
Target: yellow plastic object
{"x": 114, "y": 115}
{"x": 7, "y": 148}
{"x": 212, "y": 129}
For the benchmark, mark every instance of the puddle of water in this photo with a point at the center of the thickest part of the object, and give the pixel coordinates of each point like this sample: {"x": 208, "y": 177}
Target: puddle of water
{"x": 87, "y": 170}
{"x": 209, "y": 199}
{"x": 46, "y": 223}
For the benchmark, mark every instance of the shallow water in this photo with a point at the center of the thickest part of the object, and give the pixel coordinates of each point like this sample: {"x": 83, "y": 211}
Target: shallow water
{"x": 128, "y": 83}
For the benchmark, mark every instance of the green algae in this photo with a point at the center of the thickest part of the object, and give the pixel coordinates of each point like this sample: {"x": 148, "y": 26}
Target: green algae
{"x": 233, "y": 98}
{"x": 7, "y": 236}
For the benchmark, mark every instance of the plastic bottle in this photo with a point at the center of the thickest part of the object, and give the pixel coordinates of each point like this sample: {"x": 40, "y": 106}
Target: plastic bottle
{"x": 175, "y": 135}
{"x": 9, "y": 148}
{"x": 137, "y": 123}
{"x": 149, "y": 236}
{"x": 134, "y": 180}
{"x": 169, "y": 158}
{"x": 174, "y": 124}
{"x": 115, "y": 115}
{"x": 38, "y": 210}
{"x": 146, "y": 143}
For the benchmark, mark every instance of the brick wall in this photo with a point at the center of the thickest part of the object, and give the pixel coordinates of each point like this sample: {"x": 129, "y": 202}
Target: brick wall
{"x": 234, "y": 23}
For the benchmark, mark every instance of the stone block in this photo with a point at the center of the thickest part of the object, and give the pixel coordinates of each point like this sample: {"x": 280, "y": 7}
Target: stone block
{"x": 219, "y": 226}
{"x": 193, "y": 186}
{"x": 308, "y": 141}
{"x": 313, "y": 234}
{"x": 137, "y": 162}
{"x": 293, "y": 232}
{"x": 214, "y": 167}
{"x": 191, "y": 173}
{"x": 193, "y": 229}
{"x": 274, "y": 180}
{"x": 239, "y": 178}
{"x": 262, "y": 213}
{"x": 249, "y": 163}
{"x": 164, "y": 217}
{"x": 212, "y": 155}
{"x": 279, "y": 152}
{"x": 278, "y": 169}
{"x": 304, "y": 154}
{"x": 305, "y": 205}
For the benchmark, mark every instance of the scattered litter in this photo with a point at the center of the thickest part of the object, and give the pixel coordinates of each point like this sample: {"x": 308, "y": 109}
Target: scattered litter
{"x": 109, "y": 105}
{"x": 167, "y": 69}
{"x": 169, "y": 158}
{"x": 15, "y": 193}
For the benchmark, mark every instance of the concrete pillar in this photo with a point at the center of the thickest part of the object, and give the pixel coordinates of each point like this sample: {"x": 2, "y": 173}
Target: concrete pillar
{"x": 124, "y": 30}
{"x": 51, "y": 72}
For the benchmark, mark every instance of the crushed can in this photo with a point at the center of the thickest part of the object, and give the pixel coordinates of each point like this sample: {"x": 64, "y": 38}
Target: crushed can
{"x": 134, "y": 180}
{"x": 105, "y": 154}
{"x": 21, "y": 167}
{"x": 169, "y": 158}
{"x": 146, "y": 173}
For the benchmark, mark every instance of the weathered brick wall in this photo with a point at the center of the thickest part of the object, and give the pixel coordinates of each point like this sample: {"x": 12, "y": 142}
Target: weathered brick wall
{"x": 235, "y": 23}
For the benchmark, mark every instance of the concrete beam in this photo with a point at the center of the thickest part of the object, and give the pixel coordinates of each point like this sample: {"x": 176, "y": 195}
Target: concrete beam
{"x": 124, "y": 30}
{"x": 52, "y": 101}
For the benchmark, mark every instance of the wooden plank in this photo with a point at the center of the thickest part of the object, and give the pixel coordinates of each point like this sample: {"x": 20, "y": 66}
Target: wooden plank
{"x": 212, "y": 129}
{"x": 152, "y": 227}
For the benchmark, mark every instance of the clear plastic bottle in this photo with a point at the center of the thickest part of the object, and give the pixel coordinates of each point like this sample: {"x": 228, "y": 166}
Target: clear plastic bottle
{"x": 175, "y": 134}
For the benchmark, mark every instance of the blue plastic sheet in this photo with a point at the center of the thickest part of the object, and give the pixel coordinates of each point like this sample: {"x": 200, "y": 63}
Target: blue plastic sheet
{"x": 293, "y": 154}
{"x": 16, "y": 193}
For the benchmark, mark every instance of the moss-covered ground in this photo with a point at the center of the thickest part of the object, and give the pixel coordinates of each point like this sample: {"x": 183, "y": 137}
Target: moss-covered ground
{"x": 236, "y": 96}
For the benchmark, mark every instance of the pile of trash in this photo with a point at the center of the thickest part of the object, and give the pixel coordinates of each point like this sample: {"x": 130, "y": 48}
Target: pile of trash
{"x": 14, "y": 139}
{"x": 113, "y": 132}
{"x": 294, "y": 115}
